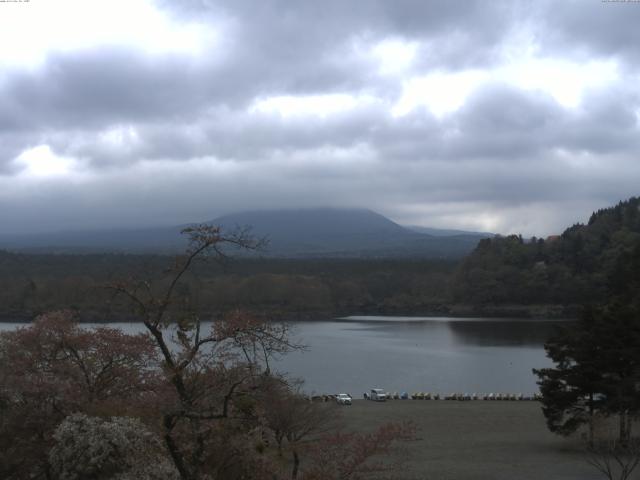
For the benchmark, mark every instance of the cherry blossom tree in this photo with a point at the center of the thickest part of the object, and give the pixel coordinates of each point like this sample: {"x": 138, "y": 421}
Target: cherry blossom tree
{"x": 118, "y": 448}
{"x": 53, "y": 368}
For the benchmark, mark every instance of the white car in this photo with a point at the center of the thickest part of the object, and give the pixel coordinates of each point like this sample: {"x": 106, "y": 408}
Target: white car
{"x": 343, "y": 399}
{"x": 378, "y": 395}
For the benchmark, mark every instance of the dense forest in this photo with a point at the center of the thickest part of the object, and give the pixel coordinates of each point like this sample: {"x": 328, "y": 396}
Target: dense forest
{"x": 31, "y": 284}
{"x": 586, "y": 264}
{"x": 506, "y": 275}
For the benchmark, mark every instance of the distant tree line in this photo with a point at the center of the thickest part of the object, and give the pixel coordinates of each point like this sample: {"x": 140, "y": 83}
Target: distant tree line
{"x": 33, "y": 284}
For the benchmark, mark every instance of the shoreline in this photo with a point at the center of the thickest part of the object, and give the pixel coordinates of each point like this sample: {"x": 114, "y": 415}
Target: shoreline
{"x": 524, "y": 312}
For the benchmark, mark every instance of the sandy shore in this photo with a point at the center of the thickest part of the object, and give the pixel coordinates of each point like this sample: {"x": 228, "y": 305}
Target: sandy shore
{"x": 477, "y": 440}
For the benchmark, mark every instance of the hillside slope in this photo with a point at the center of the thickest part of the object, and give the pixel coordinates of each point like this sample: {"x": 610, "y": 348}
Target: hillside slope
{"x": 295, "y": 233}
{"x": 344, "y": 233}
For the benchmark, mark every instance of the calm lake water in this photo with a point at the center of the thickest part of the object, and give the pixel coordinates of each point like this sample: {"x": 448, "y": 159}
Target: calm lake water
{"x": 430, "y": 354}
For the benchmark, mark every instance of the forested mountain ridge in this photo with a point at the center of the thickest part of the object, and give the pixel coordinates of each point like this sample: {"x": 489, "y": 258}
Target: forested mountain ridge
{"x": 503, "y": 276}
{"x": 292, "y": 233}
{"x": 586, "y": 264}
{"x": 346, "y": 233}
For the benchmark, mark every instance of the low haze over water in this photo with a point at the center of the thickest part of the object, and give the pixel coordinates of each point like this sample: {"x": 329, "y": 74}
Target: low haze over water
{"x": 430, "y": 354}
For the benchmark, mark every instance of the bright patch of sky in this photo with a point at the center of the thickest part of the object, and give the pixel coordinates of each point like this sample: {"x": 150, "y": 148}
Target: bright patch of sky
{"x": 394, "y": 56}
{"x": 30, "y": 31}
{"x": 565, "y": 81}
{"x": 119, "y": 137}
{"x": 453, "y": 216}
{"x": 41, "y": 162}
{"x": 316, "y": 105}
{"x": 440, "y": 92}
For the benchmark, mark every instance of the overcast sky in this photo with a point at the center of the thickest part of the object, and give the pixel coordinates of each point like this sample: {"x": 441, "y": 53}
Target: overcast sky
{"x": 496, "y": 116}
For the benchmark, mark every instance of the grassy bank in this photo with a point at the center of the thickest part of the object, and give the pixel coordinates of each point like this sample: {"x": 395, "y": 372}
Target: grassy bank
{"x": 477, "y": 440}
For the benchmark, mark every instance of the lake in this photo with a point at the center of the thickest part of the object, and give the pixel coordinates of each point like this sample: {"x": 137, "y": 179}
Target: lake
{"x": 429, "y": 354}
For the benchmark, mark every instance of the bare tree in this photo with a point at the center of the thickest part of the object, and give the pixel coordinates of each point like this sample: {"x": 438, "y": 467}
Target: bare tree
{"x": 358, "y": 456}
{"x": 213, "y": 374}
{"x": 296, "y": 421}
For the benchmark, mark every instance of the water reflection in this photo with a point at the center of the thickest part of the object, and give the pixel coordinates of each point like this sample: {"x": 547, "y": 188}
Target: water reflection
{"x": 496, "y": 333}
{"x": 464, "y": 331}
{"x": 421, "y": 354}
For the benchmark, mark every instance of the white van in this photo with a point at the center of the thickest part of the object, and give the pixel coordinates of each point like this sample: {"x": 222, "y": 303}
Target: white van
{"x": 378, "y": 395}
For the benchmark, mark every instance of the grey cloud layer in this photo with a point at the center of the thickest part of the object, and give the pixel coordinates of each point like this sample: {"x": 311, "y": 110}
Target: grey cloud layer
{"x": 507, "y": 149}
{"x": 608, "y": 28}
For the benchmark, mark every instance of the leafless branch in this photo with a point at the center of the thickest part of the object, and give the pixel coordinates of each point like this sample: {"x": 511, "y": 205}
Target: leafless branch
{"x": 615, "y": 460}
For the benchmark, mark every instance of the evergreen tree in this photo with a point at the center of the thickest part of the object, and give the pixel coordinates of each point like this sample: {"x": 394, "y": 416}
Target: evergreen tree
{"x": 572, "y": 391}
{"x": 597, "y": 371}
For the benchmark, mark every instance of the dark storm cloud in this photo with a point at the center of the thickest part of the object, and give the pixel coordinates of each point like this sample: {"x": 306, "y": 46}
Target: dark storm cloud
{"x": 172, "y": 137}
{"x": 504, "y": 122}
{"x": 289, "y": 34}
{"x": 98, "y": 87}
{"x": 509, "y": 148}
{"x": 497, "y": 122}
{"x": 223, "y": 134}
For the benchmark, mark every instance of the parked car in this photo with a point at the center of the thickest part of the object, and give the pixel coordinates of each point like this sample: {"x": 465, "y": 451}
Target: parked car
{"x": 378, "y": 395}
{"x": 343, "y": 399}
